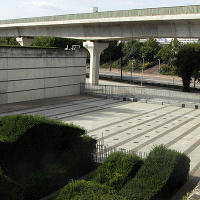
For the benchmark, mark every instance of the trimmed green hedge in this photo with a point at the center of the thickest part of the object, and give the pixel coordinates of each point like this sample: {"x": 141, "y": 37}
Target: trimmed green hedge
{"x": 10, "y": 190}
{"x": 87, "y": 190}
{"x": 15, "y": 126}
{"x": 162, "y": 173}
{"x": 117, "y": 169}
{"x": 96, "y": 196}
{"x": 43, "y": 154}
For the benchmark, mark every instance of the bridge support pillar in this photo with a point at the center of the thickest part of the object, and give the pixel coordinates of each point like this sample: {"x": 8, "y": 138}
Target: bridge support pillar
{"x": 95, "y": 49}
{"x": 25, "y": 41}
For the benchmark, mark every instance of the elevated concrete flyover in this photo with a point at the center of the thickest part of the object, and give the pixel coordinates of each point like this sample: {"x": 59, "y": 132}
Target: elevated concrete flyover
{"x": 169, "y": 22}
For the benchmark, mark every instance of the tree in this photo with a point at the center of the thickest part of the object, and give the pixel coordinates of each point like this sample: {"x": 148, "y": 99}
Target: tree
{"x": 165, "y": 53}
{"x": 187, "y": 62}
{"x": 132, "y": 49}
{"x": 150, "y": 48}
{"x": 43, "y": 42}
{"x": 8, "y": 41}
{"x": 196, "y": 75}
{"x": 112, "y": 53}
{"x": 175, "y": 45}
{"x": 56, "y": 42}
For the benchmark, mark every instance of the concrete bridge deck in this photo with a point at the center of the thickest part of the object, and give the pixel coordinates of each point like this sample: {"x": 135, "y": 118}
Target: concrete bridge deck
{"x": 99, "y": 17}
{"x": 172, "y": 22}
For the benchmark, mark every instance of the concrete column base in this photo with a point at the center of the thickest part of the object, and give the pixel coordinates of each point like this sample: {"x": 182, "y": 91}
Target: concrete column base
{"x": 25, "y": 41}
{"x": 95, "y": 49}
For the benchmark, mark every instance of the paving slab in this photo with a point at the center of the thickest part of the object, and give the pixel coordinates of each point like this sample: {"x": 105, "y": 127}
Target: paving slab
{"x": 145, "y": 125}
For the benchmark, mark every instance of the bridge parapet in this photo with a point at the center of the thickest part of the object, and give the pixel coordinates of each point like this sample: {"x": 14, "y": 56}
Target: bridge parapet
{"x": 178, "y": 10}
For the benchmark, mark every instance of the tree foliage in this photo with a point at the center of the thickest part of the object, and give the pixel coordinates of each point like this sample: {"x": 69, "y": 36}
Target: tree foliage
{"x": 196, "y": 75}
{"x": 55, "y": 42}
{"x": 150, "y": 48}
{"x": 8, "y": 41}
{"x": 132, "y": 49}
{"x": 167, "y": 52}
{"x": 187, "y": 62}
{"x": 112, "y": 53}
{"x": 43, "y": 42}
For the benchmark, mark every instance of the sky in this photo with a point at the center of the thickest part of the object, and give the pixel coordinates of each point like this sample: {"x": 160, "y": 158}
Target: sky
{"x": 11, "y": 9}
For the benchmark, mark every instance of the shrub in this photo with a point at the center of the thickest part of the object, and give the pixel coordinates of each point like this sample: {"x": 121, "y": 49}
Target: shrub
{"x": 117, "y": 169}
{"x": 162, "y": 173}
{"x": 43, "y": 154}
{"x": 96, "y": 196}
{"x": 84, "y": 190}
{"x": 15, "y": 126}
{"x": 148, "y": 65}
{"x": 185, "y": 197}
{"x": 44, "y": 182}
{"x": 137, "y": 65}
{"x": 10, "y": 190}
{"x": 167, "y": 70}
{"x": 115, "y": 64}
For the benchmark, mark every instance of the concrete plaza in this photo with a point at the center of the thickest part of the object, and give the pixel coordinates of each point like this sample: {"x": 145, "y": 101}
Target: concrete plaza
{"x": 125, "y": 125}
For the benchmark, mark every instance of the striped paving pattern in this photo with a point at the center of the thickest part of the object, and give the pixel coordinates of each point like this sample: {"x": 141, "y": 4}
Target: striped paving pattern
{"x": 140, "y": 126}
{"x": 131, "y": 125}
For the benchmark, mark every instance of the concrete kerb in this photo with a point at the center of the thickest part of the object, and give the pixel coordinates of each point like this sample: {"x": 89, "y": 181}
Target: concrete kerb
{"x": 161, "y": 102}
{"x": 152, "y": 101}
{"x": 132, "y": 99}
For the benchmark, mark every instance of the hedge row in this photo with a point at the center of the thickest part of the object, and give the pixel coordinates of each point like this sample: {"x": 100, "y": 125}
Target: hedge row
{"x": 9, "y": 189}
{"x": 117, "y": 169}
{"x": 41, "y": 154}
{"x": 162, "y": 173}
{"x": 15, "y": 126}
{"x": 87, "y": 190}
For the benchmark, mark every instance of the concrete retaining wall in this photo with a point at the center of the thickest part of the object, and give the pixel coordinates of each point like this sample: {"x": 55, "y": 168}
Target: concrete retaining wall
{"x": 31, "y": 73}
